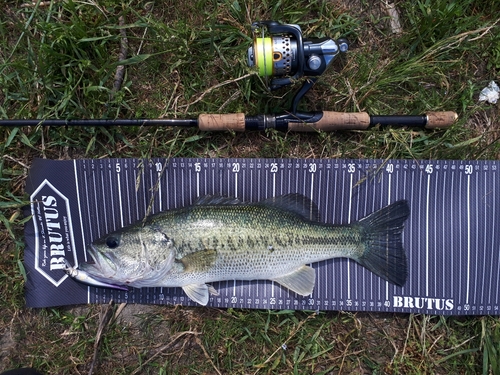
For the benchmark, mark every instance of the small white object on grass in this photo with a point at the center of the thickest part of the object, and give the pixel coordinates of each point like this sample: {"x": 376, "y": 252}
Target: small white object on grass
{"x": 490, "y": 94}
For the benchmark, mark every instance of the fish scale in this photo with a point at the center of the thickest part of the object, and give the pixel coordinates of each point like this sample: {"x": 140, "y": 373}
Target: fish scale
{"x": 294, "y": 241}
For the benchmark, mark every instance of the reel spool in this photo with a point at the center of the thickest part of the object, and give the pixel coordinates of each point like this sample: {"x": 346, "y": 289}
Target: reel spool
{"x": 285, "y": 56}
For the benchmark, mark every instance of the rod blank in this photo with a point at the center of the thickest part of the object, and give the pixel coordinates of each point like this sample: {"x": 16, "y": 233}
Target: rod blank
{"x": 301, "y": 122}
{"x": 100, "y": 122}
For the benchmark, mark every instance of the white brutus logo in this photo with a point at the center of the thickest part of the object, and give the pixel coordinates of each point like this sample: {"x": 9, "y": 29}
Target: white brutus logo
{"x": 54, "y": 241}
{"x": 424, "y": 303}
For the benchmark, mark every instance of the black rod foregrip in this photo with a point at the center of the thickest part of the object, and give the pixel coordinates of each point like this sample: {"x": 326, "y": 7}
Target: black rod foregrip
{"x": 398, "y": 120}
{"x": 431, "y": 120}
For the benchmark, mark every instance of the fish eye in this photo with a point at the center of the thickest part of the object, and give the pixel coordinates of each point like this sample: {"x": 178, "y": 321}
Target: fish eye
{"x": 112, "y": 242}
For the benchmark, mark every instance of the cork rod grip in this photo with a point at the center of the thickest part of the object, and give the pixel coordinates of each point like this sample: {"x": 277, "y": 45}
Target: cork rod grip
{"x": 214, "y": 122}
{"x": 334, "y": 121}
{"x": 436, "y": 120}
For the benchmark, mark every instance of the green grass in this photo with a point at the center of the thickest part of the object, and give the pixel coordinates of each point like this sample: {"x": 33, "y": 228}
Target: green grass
{"x": 58, "y": 59}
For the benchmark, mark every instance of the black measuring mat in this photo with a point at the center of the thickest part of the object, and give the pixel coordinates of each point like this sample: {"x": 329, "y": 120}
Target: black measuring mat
{"x": 451, "y": 238}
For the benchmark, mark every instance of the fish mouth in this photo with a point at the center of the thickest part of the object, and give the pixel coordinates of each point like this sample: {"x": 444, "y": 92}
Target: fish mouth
{"x": 99, "y": 266}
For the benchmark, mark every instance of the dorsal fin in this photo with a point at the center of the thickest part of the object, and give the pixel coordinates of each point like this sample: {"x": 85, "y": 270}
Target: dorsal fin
{"x": 296, "y": 203}
{"x": 216, "y": 200}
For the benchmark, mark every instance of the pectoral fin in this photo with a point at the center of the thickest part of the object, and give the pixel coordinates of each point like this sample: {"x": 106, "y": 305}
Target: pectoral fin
{"x": 199, "y": 261}
{"x": 199, "y": 293}
{"x": 300, "y": 281}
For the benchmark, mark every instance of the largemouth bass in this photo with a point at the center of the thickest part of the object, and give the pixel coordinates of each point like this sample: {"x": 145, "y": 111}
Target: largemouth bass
{"x": 223, "y": 239}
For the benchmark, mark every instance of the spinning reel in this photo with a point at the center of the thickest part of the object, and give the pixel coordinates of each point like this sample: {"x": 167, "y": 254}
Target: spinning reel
{"x": 284, "y": 56}
{"x": 280, "y": 54}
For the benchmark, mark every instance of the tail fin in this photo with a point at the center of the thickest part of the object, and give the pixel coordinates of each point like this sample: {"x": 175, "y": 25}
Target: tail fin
{"x": 383, "y": 253}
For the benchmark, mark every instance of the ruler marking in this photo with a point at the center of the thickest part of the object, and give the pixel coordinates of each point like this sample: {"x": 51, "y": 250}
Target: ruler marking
{"x": 235, "y": 174}
{"x": 485, "y": 250}
{"x": 143, "y": 194}
{"x": 243, "y": 197}
{"x": 183, "y": 187}
{"x": 468, "y": 241}
{"x": 281, "y": 181}
{"x": 346, "y": 265}
{"x": 280, "y": 290}
{"x": 398, "y": 196}
{"x": 312, "y": 195}
{"x": 443, "y": 228}
{"x": 357, "y": 270}
{"x": 104, "y": 200}
{"x": 452, "y": 237}
{"x": 243, "y": 187}
{"x": 389, "y": 201}
{"x": 490, "y": 208}
{"x": 405, "y": 164}
{"x": 437, "y": 181}
{"x": 273, "y": 195}
{"x": 460, "y": 232}
{"x": 427, "y": 225}
{"x": 312, "y": 167}
{"x": 197, "y": 170}
{"x": 205, "y": 179}
{"x": 349, "y": 222}
{"x": 334, "y": 208}
{"x": 370, "y": 274}
{"x": 129, "y": 199}
{"x": 236, "y": 183}
{"x": 251, "y": 185}
{"x": 120, "y": 202}
{"x": 77, "y": 186}
{"x": 259, "y": 196}
{"x": 87, "y": 200}
{"x": 326, "y": 220}
{"x": 364, "y": 272}
{"x": 379, "y": 204}
{"x": 274, "y": 184}
{"x": 136, "y": 191}
{"x": 421, "y": 263}
{"x": 113, "y": 217}
{"x": 493, "y": 226}
{"x": 189, "y": 171}
{"x": 412, "y": 222}
{"x": 151, "y": 191}
{"x": 477, "y": 246}
{"x": 160, "y": 196}
{"x": 297, "y": 166}
{"x": 266, "y": 184}
{"x": 319, "y": 204}
{"x": 96, "y": 201}
{"x": 290, "y": 177}
{"x": 212, "y": 179}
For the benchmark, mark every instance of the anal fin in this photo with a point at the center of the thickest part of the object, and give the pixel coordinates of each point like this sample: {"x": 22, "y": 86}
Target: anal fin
{"x": 300, "y": 281}
{"x": 199, "y": 293}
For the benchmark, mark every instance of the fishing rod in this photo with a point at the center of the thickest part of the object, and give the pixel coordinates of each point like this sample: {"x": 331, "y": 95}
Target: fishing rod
{"x": 281, "y": 54}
